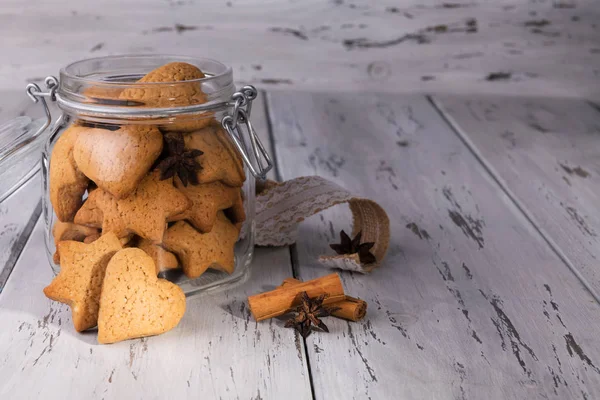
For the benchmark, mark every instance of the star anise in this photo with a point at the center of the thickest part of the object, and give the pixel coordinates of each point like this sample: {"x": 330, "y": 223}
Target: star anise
{"x": 179, "y": 161}
{"x": 308, "y": 314}
{"x": 352, "y": 246}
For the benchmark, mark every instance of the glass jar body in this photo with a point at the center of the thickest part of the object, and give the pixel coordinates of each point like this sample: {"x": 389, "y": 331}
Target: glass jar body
{"x": 151, "y": 163}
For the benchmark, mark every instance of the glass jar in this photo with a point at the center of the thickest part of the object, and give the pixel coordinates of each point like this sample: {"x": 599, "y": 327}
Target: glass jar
{"x": 161, "y": 154}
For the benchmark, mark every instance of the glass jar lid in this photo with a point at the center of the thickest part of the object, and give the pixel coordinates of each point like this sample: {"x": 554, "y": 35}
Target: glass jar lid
{"x": 20, "y": 149}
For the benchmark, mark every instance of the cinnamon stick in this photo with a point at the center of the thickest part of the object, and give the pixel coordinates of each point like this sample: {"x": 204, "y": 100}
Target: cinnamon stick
{"x": 284, "y": 299}
{"x": 351, "y": 308}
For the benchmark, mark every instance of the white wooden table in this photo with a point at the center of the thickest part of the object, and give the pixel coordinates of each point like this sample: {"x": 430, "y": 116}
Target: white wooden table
{"x": 496, "y": 302}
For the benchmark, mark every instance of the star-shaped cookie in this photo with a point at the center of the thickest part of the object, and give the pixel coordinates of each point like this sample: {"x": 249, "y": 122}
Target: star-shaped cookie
{"x": 163, "y": 259}
{"x": 220, "y": 161}
{"x": 69, "y": 231}
{"x": 207, "y": 199}
{"x": 79, "y": 281}
{"x": 145, "y": 212}
{"x": 200, "y": 251}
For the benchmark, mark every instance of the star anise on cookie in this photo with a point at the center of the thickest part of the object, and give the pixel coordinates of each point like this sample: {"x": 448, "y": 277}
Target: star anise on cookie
{"x": 308, "y": 314}
{"x": 179, "y": 161}
{"x": 353, "y": 246}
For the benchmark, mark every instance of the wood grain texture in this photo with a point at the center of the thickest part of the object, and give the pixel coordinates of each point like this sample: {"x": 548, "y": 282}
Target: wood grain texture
{"x": 544, "y": 151}
{"x": 14, "y": 103}
{"x": 476, "y": 305}
{"x": 548, "y": 47}
{"x": 217, "y": 351}
{"x": 18, "y": 214}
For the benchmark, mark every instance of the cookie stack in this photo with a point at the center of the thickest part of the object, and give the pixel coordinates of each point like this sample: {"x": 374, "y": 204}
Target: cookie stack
{"x": 135, "y": 200}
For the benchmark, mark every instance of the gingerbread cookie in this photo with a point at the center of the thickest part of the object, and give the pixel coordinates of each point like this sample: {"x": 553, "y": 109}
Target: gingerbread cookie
{"x": 103, "y": 94}
{"x": 162, "y": 258}
{"x": 237, "y": 213}
{"x": 134, "y": 302}
{"x": 117, "y": 160}
{"x": 69, "y": 231}
{"x": 200, "y": 251}
{"x": 144, "y": 212}
{"x": 93, "y": 215}
{"x": 125, "y": 241}
{"x": 207, "y": 199}
{"x": 186, "y": 89}
{"x": 220, "y": 161}
{"x": 92, "y": 238}
{"x": 67, "y": 183}
{"x": 79, "y": 281}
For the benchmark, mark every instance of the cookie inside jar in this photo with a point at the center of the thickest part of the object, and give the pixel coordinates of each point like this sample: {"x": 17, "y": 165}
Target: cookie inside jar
{"x": 149, "y": 166}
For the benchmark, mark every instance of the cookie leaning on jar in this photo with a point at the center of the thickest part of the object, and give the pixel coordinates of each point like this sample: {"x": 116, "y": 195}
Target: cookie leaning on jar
{"x": 142, "y": 183}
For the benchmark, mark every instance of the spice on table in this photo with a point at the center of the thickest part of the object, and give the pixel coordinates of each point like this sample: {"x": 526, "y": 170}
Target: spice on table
{"x": 308, "y": 314}
{"x": 179, "y": 161}
{"x": 350, "y": 308}
{"x": 353, "y": 246}
{"x": 285, "y": 299}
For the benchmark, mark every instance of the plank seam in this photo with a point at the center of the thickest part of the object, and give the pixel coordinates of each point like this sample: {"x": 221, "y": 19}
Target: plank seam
{"x": 292, "y": 248}
{"x": 271, "y": 137}
{"x": 19, "y": 245}
{"x": 463, "y": 136}
{"x": 594, "y": 105}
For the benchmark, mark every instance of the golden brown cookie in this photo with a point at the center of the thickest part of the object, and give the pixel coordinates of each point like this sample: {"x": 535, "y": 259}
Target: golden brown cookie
{"x": 125, "y": 241}
{"x": 220, "y": 161}
{"x": 185, "y": 90}
{"x": 237, "y": 213}
{"x": 102, "y": 94}
{"x": 96, "y": 236}
{"x": 134, "y": 302}
{"x": 144, "y": 212}
{"x": 93, "y": 216}
{"x": 79, "y": 281}
{"x": 163, "y": 259}
{"x": 67, "y": 182}
{"x": 207, "y": 199}
{"x": 117, "y": 160}
{"x": 69, "y": 231}
{"x": 200, "y": 251}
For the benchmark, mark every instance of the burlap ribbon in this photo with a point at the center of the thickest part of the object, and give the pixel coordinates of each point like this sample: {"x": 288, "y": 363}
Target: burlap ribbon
{"x": 280, "y": 207}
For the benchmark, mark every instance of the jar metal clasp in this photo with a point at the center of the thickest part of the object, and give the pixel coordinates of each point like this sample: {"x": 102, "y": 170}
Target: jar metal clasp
{"x": 240, "y": 117}
{"x": 36, "y": 94}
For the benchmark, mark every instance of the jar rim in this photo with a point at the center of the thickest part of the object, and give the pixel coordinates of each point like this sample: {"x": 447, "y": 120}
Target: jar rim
{"x": 68, "y": 73}
{"x": 91, "y": 87}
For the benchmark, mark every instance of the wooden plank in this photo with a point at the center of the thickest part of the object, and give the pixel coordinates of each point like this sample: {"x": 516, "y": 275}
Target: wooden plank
{"x": 479, "y": 307}
{"x": 545, "y": 152}
{"x": 217, "y": 351}
{"x": 18, "y": 215}
{"x": 13, "y": 103}
{"x": 549, "y": 47}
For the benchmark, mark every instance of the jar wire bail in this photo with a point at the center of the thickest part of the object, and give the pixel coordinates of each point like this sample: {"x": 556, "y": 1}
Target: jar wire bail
{"x": 36, "y": 94}
{"x": 240, "y": 116}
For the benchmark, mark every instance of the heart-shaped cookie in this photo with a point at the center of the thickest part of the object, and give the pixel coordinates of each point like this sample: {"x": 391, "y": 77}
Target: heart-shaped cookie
{"x": 134, "y": 302}
{"x": 117, "y": 160}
